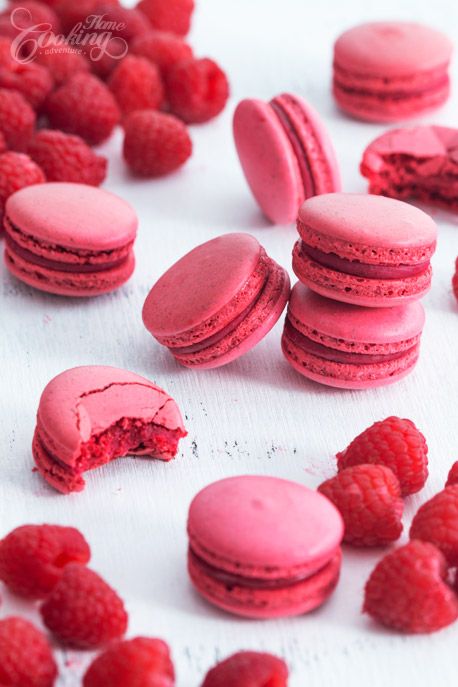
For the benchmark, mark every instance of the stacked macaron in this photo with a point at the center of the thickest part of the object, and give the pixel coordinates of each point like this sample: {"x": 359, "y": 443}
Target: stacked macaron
{"x": 367, "y": 260}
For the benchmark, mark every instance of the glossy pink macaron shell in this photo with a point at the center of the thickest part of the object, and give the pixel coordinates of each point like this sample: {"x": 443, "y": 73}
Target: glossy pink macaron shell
{"x": 90, "y": 415}
{"x": 364, "y": 249}
{"x": 348, "y": 346}
{"x": 69, "y": 239}
{"x": 285, "y": 153}
{"x": 217, "y": 302}
{"x": 384, "y": 71}
{"x": 270, "y": 536}
{"x": 416, "y": 162}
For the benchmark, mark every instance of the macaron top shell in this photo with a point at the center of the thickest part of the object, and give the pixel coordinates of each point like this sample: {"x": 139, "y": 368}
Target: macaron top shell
{"x": 418, "y": 141}
{"x": 84, "y": 401}
{"x": 343, "y": 321}
{"x": 268, "y": 160}
{"x": 197, "y": 287}
{"x": 374, "y": 221}
{"x": 261, "y": 526}
{"x": 392, "y": 49}
{"x": 73, "y": 216}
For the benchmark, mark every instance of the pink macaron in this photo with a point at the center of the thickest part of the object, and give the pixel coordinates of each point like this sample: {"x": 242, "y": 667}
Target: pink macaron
{"x": 363, "y": 249}
{"x": 263, "y": 547}
{"x": 347, "y": 346}
{"x": 386, "y": 71}
{"x": 419, "y": 162}
{"x": 217, "y": 302}
{"x": 69, "y": 239}
{"x": 285, "y": 153}
{"x": 89, "y": 416}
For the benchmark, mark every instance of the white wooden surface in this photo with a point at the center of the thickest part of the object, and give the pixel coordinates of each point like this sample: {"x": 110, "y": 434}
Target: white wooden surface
{"x": 254, "y": 416}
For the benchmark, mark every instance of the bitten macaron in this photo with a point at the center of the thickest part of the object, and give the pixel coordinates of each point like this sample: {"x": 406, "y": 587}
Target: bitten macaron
{"x": 386, "y": 71}
{"x": 263, "y": 547}
{"x": 91, "y": 415}
{"x": 217, "y": 302}
{"x": 69, "y": 239}
{"x": 415, "y": 162}
{"x": 348, "y": 346}
{"x": 286, "y": 154}
{"x": 364, "y": 249}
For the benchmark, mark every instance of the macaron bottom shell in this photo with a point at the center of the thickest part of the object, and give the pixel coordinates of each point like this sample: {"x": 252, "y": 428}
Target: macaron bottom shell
{"x": 365, "y": 291}
{"x": 348, "y": 375}
{"x": 367, "y": 99}
{"x": 63, "y": 283}
{"x": 233, "y": 341}
{"x": 288, "y": 599}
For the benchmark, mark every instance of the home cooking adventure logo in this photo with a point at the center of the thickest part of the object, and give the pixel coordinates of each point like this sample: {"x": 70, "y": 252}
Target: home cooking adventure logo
{"x": 95, "y": 37}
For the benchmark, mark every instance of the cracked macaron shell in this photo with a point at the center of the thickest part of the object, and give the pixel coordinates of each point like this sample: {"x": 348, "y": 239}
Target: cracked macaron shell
{"x": 282, "y": 174}
{"x": 84, "y": 401}
{"x": 264, "y": 527}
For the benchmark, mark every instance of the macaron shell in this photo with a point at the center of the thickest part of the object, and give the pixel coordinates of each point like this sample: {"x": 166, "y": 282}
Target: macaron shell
{"x": 196, "y": 289}
{"x": 349, "y": 376}
{"x": 293, "y": 600}
{"x": 309, "y": 311}
{"x": 368, "y": 222}
{"x": 317, "y": 148}
{"x": 263, "y": 527}
{"x": 392, "y": 49}
{"x": 376, "y": 293}
{"x": 84, "y": 401}
{"x": 268, "y": 161}
{"x": 75, "y": 216}
{"x": 73, "y": 284}
{"x": 261, "y": 319}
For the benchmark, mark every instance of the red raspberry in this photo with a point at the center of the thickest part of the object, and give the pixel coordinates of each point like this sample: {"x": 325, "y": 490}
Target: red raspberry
{"x": 24, "y": 14}
{"x": 84, "y": 106}
{"x": 83, "y": 611}
{"x": 64, "y": 157}
{"x": 393, "y": 442}
{"x": 408, "y": 591}
{"x": 168, "y": 15}
{"x": 248, "y": 669}
{"x": 139, "y": 661}
{"x": 455, "y": 280}
{"x": 17, "y": 119}
{"x": 436, "y": 521}
{"x": 155, "y": 143}
{"x": 3, "y": 147}
{"x": 33, "y": 557}
{"x": 72, "y": 13}
{"x": 25, "y": 656}
{"x": 137, "y": 85}
{"x": 369, "y": 500}
{"x": 163, "y": 48}
{"x": 197, "y": 90}
{"x": 6, "y": 59}
{"x": 129, "y": 23}
{"x": 16, "y": 171}
{"x": 452, "y": 478}
{"x": 62, "y": 65}
{"x": 32, "y": 80}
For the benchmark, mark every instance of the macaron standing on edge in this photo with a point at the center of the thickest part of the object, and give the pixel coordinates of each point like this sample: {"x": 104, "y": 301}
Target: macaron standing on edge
{"x": 364, "y": 249}
{"x": 69, "y": 239}
{"x": 91, "y": 415}
{"x": 263, "y": 547}
{"x": 348, "y": 346}
{"x": 387, "y": 71}
{"x": 286, "y": 154}
{"x": 217, "y": 302}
